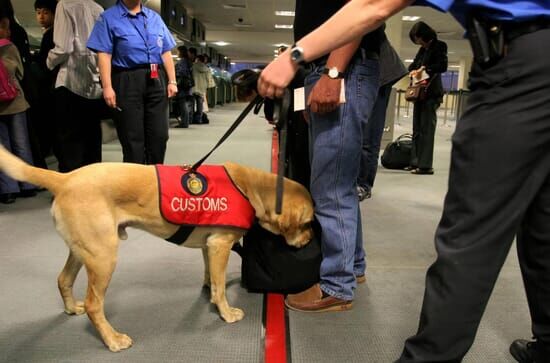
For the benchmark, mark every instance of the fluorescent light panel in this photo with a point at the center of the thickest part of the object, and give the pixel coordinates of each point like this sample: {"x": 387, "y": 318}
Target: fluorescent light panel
{"x": 410, "y": 18}
{"x": 284, "y": 26}
{"x": 221, "y": 43}
{"x": 284, "y": 13}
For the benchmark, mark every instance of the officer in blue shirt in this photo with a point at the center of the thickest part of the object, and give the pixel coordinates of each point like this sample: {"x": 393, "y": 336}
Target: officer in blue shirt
{"x": 499, "y": 181}
{"x": 138, "y": 77}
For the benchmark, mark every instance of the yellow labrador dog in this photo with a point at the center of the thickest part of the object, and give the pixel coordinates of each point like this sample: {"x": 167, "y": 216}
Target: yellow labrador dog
{"x": 95, "y": 203}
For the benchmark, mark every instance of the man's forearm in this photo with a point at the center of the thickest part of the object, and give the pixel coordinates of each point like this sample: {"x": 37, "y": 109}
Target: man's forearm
{"x": 355, "y": 19}
{"x": 341, "y": 57}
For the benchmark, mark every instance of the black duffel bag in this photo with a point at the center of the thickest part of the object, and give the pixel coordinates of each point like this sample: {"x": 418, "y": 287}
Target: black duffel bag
{"x": 397, "y": 154}
{"x": 269, "y": 264}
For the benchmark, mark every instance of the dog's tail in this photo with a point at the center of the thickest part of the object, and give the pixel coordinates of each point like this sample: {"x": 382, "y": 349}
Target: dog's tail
{"x": 21, "y": 171}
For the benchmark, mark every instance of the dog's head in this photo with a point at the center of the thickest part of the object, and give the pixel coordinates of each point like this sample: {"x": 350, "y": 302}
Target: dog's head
{"x": 295, "y": 221}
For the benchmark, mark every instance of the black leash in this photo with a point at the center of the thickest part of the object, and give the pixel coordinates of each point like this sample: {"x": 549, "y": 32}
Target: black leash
{"x": 258, "y": 100}
{"x": 248, "y": 79}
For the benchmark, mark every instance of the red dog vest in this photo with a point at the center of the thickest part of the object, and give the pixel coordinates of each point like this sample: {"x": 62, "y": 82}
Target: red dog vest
{"x": 207, "y": 198}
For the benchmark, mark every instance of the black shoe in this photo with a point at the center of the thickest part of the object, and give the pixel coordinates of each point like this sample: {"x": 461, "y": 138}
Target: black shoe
{"x": 523, "y": 351}
{"x": 409, "y": 168}
{"x": 180, "y": 126}
{"x": 7, "y": 198}
{"x": 422, "y": 171}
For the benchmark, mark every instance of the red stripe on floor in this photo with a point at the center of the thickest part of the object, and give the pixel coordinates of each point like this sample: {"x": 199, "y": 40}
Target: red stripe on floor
{"x": 275, "y": 323}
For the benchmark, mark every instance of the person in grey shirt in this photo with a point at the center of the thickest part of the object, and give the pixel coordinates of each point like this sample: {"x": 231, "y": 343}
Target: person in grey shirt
{"x": 392, "y": 70}
{"x": 78, "y": 101}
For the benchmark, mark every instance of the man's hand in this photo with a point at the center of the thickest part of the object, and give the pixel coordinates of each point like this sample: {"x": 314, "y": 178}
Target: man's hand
{"x": 277, "y": 76}
{"x": 109, "y": 96}
{"x": 172, "y": 90}
{"x": 325, "y": 95}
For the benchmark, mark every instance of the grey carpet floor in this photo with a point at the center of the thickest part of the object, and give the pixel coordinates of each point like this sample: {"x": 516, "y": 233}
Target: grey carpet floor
{"x": 155, "y": 295}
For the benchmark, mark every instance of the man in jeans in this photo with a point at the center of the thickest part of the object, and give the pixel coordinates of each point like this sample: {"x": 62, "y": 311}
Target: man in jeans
{"x": 392, "y": 70}
{"x": 77, "y": 88}
{"x": 335, "y": 144}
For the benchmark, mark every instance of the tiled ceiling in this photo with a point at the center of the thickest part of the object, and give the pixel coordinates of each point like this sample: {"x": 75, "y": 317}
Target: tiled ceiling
{"x": 248, "y": 25}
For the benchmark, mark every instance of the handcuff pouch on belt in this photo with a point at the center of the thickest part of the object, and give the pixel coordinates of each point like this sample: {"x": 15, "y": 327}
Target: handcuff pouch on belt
{"x": 487, "y": 39}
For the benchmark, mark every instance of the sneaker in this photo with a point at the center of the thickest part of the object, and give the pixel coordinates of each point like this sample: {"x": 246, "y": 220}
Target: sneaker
{"x": 363, "y": 193}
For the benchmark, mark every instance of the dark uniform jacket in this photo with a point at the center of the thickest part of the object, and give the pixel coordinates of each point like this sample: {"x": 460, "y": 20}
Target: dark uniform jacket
{"x": 435, "y": 60}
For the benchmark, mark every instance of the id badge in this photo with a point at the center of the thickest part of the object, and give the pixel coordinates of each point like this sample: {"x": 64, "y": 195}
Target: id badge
{"x": 154, "y": 71}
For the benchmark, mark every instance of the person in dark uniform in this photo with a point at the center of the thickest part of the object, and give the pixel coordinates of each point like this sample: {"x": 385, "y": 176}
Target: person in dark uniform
{"x": 138, "y": 76}
{"x": 499, "y": 181}
{"x": 431, "y": 59}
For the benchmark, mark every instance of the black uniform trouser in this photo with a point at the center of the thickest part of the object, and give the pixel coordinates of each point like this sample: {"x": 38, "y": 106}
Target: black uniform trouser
{"x": 77, "y": 129}
{"x": 424, "y": 125}
{"x": 142, "y": 125}
{"x": 499, "y": 187}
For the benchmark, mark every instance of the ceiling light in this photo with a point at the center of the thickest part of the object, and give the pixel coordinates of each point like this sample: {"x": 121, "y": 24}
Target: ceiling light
{"x": 221, "y": 43}
{"x": 234, "y": 6}
{"x": 242, "y": 25}
{"x": 283, "y": 26}
{"x": 409, "y": 60}
{"x": 410, "y": 18}
{"x": 284, "y": 13}
{"x": 281, "y": 45}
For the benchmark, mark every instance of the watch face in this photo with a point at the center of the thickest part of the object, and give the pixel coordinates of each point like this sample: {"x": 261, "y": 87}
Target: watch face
{"x": 333, "y": 73}
{"x": 296, "y": 55}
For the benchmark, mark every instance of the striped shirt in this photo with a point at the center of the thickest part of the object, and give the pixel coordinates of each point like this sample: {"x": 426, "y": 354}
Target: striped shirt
{"x": 78, "y": 72}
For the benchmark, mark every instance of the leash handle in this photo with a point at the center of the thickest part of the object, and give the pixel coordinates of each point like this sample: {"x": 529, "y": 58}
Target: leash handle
{"x": 253, "y": 104}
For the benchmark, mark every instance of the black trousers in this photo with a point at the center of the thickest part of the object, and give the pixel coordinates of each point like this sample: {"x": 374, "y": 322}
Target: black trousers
{"x": 424, "y": 124}
{"x": 499, "y": 187}
{"x": 77, "y": 129}
{"x": 142, "y": 125}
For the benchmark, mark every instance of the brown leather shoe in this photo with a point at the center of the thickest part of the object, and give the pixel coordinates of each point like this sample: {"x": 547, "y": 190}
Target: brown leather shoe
{"x": 313, "y": 300}
{"x": 360, "y": 279}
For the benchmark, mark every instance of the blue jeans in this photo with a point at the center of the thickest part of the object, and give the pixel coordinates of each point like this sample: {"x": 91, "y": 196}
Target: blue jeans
{"x": 335, "y": 152}
{"x": 14, "y": 136}
{"x": 372, "y": 136}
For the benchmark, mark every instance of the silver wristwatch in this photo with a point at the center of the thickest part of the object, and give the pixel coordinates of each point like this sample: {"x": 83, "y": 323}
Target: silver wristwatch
{"x": 297, "y": 55}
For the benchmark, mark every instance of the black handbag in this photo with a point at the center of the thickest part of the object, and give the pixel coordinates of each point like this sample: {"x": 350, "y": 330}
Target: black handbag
{"x": 397, "y": 154}
{"x": 269, "y": 264}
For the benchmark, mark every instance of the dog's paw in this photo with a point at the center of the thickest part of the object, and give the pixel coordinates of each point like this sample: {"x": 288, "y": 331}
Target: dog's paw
{"x": 76, "y": 309}
{"x": 233, "y": 315}
{"x": 119, "y": 342}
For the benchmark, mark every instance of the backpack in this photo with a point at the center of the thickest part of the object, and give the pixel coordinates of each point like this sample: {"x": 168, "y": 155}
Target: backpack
{"x": 8, "y": 89}
{"x": 397, "y": 154}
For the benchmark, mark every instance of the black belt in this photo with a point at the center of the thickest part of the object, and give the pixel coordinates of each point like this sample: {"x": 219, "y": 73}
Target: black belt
{"x": 117, "y": 69}
{"x": 514, "y": 30}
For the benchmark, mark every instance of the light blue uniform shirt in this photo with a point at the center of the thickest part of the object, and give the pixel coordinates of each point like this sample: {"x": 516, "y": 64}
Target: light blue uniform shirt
{"x": 505, "y": 10}
{"x": 132, "y": 40}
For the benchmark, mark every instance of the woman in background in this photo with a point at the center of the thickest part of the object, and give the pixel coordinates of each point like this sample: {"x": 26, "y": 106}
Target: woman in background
{"x": 138, "y": 76}
{"x": 14, "y": 135}
{"x": 431, "y": 59}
